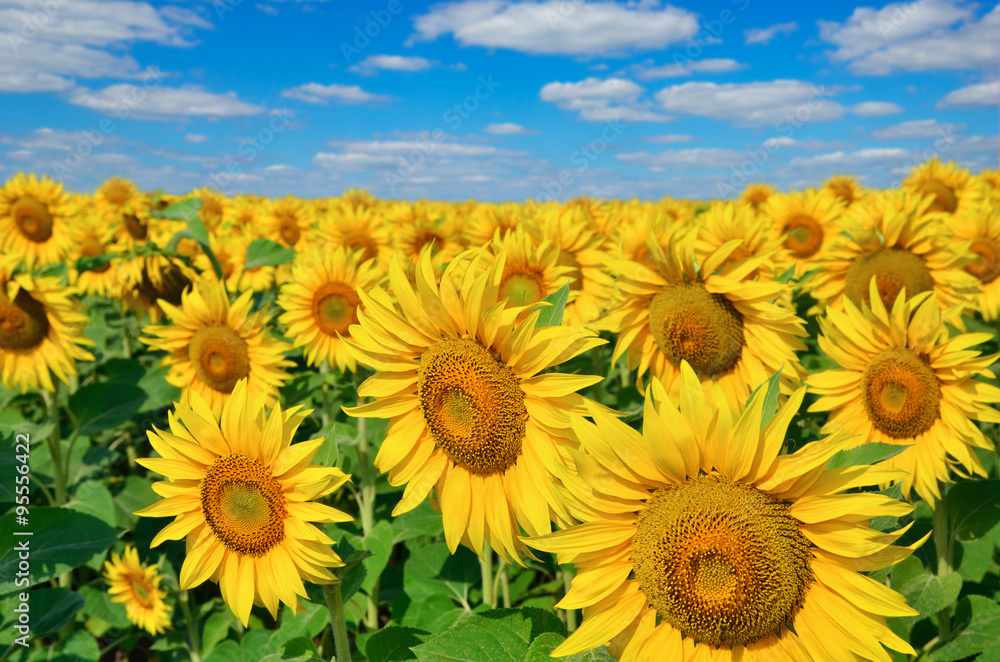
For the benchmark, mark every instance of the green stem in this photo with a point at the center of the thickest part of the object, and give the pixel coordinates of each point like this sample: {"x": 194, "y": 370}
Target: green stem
{"x": 335, "y": 603}
{"x": 126, "y": 343}
{"x": 55, "y": 448}
{"x": 324, "y": 369}
{"x": 486, "y": 567}
{"x": 942, "y": 545}
{"x": 567, "y": 578}
{"x": 192, "y": 626}
{"x": 501, "y": 585}
{"x": 366, "y": 505}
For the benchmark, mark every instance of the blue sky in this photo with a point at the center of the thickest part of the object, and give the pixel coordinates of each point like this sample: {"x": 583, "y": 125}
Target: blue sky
{"x": 494, "y": 99}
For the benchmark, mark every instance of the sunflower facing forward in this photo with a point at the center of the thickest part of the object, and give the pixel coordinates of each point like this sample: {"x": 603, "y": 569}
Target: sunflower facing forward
{"x": 137, "y": 586}
{"x": 700, "y": 542}
{"x": 472, "y": 417}
{"x": 242, "y": 494}
{"x": 34, "y": 220}
{"x": 904, "y": 381}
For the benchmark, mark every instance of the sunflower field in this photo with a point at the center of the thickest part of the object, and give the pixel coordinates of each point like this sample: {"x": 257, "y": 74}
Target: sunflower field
{"x": 237, "y": 428}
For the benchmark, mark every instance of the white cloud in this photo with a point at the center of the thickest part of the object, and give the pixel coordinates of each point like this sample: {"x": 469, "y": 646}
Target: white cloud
{"x": 765, "y": 35}
{"x": 668, "y": 138}
{"x": 162, "y": 102}
{"x": 780, "y": 141}
{"x": 851, "y": 160}
{"x": 558, "y": 26}
{"x": 702, "y": 157}
{"x": 374, "y": 63}
{"x": 509, "y": 129}
{"x": 195, "y": 138}
{"x": 916, "y": 129}
{"x": 601, "y": 100}
{"x": 757, "y": 103}
{"x": 973, "y": 96}
{"x": 709, "y": 66}
{"x": 321, "y": 94}
{"x": 267, "y": 9}
{"x": 920, "y": 36}
{"x": 876, "y": 108}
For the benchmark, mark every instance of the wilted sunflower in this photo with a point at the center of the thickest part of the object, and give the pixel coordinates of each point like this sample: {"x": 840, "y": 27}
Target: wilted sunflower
{"x": 41, "y": 332}
{"x": 701, "y": 542}
{"x": 846, "y": 188}
{"x": 320, "y": 301}
{"x": 34, "y": 220}
{"x": 242, "y": 495}
{"x": 356, "y": 228}
{"x": 904, "y": 247}
{"x": 950, "y": 187}
{"x": 904, "y": 381}
{"x": 473, "y": 418}
{"x": 137, "y": 586}
{"x": 212, "y": 344}
{"x": 733, "y": 330}
{"x": 806, "y": 223}
{"x": 979, "y": 224}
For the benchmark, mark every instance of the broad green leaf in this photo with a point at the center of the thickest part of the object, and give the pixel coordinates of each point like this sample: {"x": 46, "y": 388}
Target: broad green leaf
{"x": 134, "y": 494}
{"x": 885, "y": 522}
{"x": 421, "y": 521}
{"x": 870, "y": 453}
{"x": 552, "y": 315}
{"x": 773, "y": 385}
{"x": 215, "y": 631}
{"x": 982, "y": 632}
{"x": 77, "y": 647}
{"x": 432, "y": 569}
{"x": 393, "y": 644}
{"x": 93, "y": 498}
{"x": 300, "y": 649}
{"x": 52, "y": 609}
{"x": 498, "y": 635}
{"x": 99, "y": 605}
{"x": 267, "y": 253}
{"x": 973, "y": 558}
{"x": 435, "y": 613}
{"x": 105, "y": 405}
{"x": 924, "y": 591}
{"x": 309, "y": 622}
{"x": 973, "y": 508}
{"x": 159, "y": 392}
{"x": 184, "y": 210}
{"x": 380, "y": 543}
{"x": 62, "y": 540}
{"x": 543, "y": 645}
{"x": 227, "y": 651}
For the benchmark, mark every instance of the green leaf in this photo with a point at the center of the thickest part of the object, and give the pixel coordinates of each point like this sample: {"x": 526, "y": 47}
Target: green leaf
{"x": 982, "y": 632}
{"x": 215, "y": 631}
{"x": 62, "y": 540}
{"x": 421, "y": 521}
{"x": 52, "y": 609}
{"x": 498, "y": 635}
{"x": 885, "y": 522}
{"x": 78, "y": 647}
{"x": 924, "y": 591}
{"x": 432, "y": 569}
{"x": 159, "y": 392}
{"x": 787, "y": 275}
{"x": 379, "y": 542}
{"x": 267, "y": 253}
{"x": 91, "y": 262}
{"x": 184, "y": 210}
{"x": 773, "y": 384}
{"x": 552, "y": 315}
{"x": 973, "y": 558}
{"x": 227, "y": 651}
{"x": 300, "y": 649}
{"x": 99, "y": 605}
{"x": 105, "y": 405}
{"x": 870, "y": 453}
{"x": 973, "y": 508}
{"x": 93, "y": 498}
{"x": 543, "y": 645}
{"x": 393, "y": 644}
{"x": 135, "y": 494}
{"x": 309, "y": 622}
{"x": 353, "y": 572}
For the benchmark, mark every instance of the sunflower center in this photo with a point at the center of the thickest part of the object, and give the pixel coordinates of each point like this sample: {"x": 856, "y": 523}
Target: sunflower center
{"x": 243, "y": 505}
{"x": 893, "y": 269}
{"x": 142, "y": 590}
{"x": 473, "y": 405}
{"x": 522, "y": 288}
{"x": 117, "y": 193}
{"x": 334, "y": 308}
{"x": 721, "y": 561}
{"x": 23, "y": 322}
{"x": 219, "y": 357}
{"x": 986, "y": 266}
{"x": 169, "y": 285}
{"x": 92, "y": 247}
{"x": 901, "y": 393}
{"x": 32, "y": 218}
{"x": 426, "y": 237}
{"x": 359, "y": 242}
{"x": 137, "y": 228}
{"x": 567, "y": 259}
{"x": 289, "y": 231}
{"x": 805, "y": 236}
{"x": 944, "y": 196}
{"x": 690, "y": 323}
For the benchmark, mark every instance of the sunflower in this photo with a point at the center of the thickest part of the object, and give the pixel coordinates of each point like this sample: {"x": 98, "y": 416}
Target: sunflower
{"x": 488, "y": 218}
{"x": 34, "y": 220}
{"x": 904, "y": 381}
{"x": 723, "y": 222}
{"x": 289, "y": 221}
{"x": 137, "y": 586}
{"x": 902, "y": 246}
{"x": 146, "y": 282}
{"x": 845, "y": 188}
{"x": 531, "y": 270}
{"x": 134, "y": 222}
{"x": 213, "y": 344}
{"x": 754, "y": 196}
{"x": 472, "y": 417}
{"x": 41, "y": 332}
{"x": 358, "y": 198}
{"x": 321, "y": 303}
{"x": 733, "y": 330}
{"x": 243, "y": 215}
{"x": 357, "y": 229}
{"x": 230, "y": 251}
{"x": 978, "y": 224}
{"x": 806, "y": 222}
{"x": 634, "y": 233}
{"x": 112, "y": 195}
{"x": 701, "y": 542}
{"x": 421, "y": 225}
{"x": 950, "y": 187}
{"x": 91, "y": 238}
{"x": 242, "y": 495}
{"x": 214, "y": 207}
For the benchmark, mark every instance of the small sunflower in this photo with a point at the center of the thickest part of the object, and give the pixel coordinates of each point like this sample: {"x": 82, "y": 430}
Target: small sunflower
{"x": 489, "y": 218}
{"x": 634, "y": 233}
{"x": 34, "y": 220}
{"x": 903, "y": 246}
{"x": 755, "y": 195}
{"x": 146, "y": 282}
{"x": 41, "y": 332}
{"x": 214, "y": 207}
{"x": 701, "y": 542}
{"x": 806, "y": 223}
{"x": 356, "y": 228}
{"x": 846, "y": 188}
{"x": 212, "y": 344}
{"x": 733, "y": 330}
{"x": 419, "y": 226}
{"x": 243, "y": 215}
{"x": 321, "y": 303}
{"x": 230, "y": 250}
{"x": 112, "y": 195}
{"x": 531, "y": 270}
{"x": 137, "y": 586}
{"x": 979, "y": 224}
{"x": 473, "y": 417}
{"x": 950, "y": 187}
{"x": 904, "y": 381}
{"x": 91, "y": 237}
{"x": 242, "y": 494}
{"x": 723, "y": 222}
{"x": 289, "y": 221}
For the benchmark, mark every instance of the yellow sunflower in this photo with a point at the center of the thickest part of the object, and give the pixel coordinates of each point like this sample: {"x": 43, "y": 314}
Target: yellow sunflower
{"x": 979, "y": 224}
{"x": 230, "y": 250}
{"x": 951, "y": 187}
{"x": 289, "y": 221}
{"x": 806, "y": 223}
{"x": 488, "y": 218}
{"x": 723, "y": 222}
{"x": 635, "y": 231}
{"x": 531, "y": 270}
{"x": 754, "y": 196}
{"x": 321, "y": 303}
{"x": 91, "y": 237}
{"x": 701, "y": 542}
{"x": 212, "y": 344}
{"x": 846, "y": 188}
{"x": 357, "y": 228}
{"x": 242, "y": 494}
{"x": 214, "y": 208}
{"x": 137, "y": 586}
{"x": 422, "y": 225}
{"x": 243, "y": 215}
{"x": 34, "y": 220}
{"x": 904, "y": 247}
{"x": 112, "y": 195}
{"x": 904, "y": 381}
{"x": 41, "y": 332}
{"x": 473, "y": 417}
{"x": 733, "y": 330}
{"x": 145, "y": 282}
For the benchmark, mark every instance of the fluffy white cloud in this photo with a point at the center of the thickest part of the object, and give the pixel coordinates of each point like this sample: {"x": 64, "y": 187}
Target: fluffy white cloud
{"x": 702, "y": 157}
{"x": 876, "y": 108}
{"x": 973, "y": 96}
{"x": 919, "y": 36}
{"x": 601, "y": 100}
{"x": 321, "y": 94}
{"x": 508, "y": 129}
{"x": 710, "y": 66}
{"x": 765, "y": 35}
{"x": 558, "y": 26}
{"x": 916, "y": 129}
{"x": 195, "y": 138}
{"x": 758, "y": 103}
{"x": 125, "y": 100}
{"x": 668, "y": 138}
{"x": 374, "y": 63}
